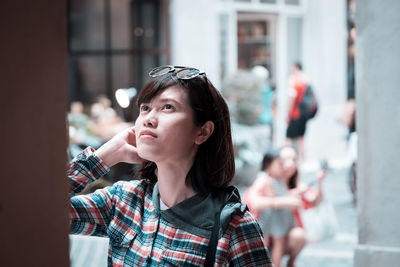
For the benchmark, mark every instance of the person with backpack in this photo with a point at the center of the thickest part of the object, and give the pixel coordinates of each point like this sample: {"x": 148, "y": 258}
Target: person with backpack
{"x": 302, "y": 107}
{"x": 182, "y": 211}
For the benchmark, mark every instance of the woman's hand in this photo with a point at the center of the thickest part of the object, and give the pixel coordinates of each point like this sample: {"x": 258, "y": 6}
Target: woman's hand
{"x": 120, "y": 148}
{"x": 285, "y": 202}
{"x": 321, "y": 176}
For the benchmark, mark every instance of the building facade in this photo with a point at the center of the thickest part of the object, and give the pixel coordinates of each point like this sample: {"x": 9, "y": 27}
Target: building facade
{"x": 113, "y": 44}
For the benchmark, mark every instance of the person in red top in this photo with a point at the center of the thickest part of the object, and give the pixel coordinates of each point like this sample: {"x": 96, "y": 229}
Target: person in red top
{"x": 296, "y": 122}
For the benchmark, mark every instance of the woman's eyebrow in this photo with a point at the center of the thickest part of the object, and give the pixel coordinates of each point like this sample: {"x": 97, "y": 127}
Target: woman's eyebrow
{"x": 169, "y": 99}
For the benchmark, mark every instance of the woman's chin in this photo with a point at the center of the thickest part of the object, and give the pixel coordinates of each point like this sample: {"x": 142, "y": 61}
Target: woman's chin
{"x": 147, "y": 156}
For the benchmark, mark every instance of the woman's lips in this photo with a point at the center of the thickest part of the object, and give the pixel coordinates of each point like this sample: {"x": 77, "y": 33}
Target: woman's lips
{"x": 146, "y": 134}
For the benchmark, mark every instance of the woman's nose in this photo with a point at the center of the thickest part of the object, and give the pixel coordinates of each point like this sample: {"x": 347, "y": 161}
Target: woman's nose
{"x": 289, "y": 163}
{"x": 150, "y": 120}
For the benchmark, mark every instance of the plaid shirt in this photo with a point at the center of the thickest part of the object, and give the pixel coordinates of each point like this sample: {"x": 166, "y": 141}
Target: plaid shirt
{"x": 139, "y": 236}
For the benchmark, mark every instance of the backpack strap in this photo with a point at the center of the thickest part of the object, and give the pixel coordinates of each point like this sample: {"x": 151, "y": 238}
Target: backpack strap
{"x": 232, "y": 196}
{"x": 212, "y": 245}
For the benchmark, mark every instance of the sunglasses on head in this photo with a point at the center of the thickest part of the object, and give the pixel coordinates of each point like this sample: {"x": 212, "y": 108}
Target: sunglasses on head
{"x": 183, "y": 73}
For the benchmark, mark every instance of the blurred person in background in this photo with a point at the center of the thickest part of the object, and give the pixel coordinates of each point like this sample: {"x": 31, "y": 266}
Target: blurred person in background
{"x": 268, "y": 98}
{"x": 94, "y": 127}
{"x": 348, "y": 116}
{"x": 296, "y": 129}
{"x": 291, "y": 176}
{"x": 269, "y": 200}
{"x": 80, "y": 134}
{"x": 104, "y": 120}
{"x": 182, "y": 211}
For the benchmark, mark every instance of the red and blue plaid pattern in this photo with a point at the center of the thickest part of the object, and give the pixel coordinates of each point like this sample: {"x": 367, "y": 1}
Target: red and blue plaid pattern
{"x": 139, "y": 236}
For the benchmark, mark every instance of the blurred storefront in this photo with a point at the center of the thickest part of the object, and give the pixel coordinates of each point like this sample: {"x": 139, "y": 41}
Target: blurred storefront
{"x": 113, "y": 44}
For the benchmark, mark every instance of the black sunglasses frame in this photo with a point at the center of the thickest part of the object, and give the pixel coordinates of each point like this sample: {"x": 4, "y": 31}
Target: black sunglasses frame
{"x": 180, "y": 72}
{"x": 162, "y": 70}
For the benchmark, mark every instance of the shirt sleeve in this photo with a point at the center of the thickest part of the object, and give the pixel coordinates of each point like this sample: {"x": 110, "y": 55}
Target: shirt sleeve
{"x": 84, "y": 169}
{"x": 246, "y": 246}
{"x": 89, "y": 214}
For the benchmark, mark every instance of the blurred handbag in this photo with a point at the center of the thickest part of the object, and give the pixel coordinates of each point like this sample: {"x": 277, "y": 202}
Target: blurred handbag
{"x": 320, "y": 222}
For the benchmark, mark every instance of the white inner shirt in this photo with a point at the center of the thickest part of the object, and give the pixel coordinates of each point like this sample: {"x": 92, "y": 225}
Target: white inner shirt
{"x": 162, "y": 205}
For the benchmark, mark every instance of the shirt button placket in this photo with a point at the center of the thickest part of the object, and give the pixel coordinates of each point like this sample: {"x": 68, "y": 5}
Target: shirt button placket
{"x": 148, "y": 260}
{"x": 152, "y": 236}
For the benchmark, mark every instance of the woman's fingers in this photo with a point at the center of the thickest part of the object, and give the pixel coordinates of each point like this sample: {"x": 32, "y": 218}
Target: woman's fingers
{"x": 131, "y": 151}
{"x": 121, "y": 148}
{"x": 131, "y": 137}
{"x": 321, "y": 176}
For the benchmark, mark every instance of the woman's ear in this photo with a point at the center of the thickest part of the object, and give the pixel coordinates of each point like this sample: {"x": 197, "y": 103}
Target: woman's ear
{"x": 204, "y": 133}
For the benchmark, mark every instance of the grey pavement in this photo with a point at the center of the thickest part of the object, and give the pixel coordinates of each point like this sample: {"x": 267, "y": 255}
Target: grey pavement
{"x": 338, "y": 250}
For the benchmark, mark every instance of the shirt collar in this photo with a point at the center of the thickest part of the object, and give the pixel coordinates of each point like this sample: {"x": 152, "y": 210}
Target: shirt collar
{"x": 196, "y": 214}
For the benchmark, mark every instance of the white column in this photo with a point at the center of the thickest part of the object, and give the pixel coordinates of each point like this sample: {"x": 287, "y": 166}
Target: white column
{"x": 378, "y": 126}
{"x": 325, "y": 49}
{"x": 324, "y": 61}
{"x": 232, "y": 55}
{"x": 282, "y": 81}
{"x": 194, "y": 36}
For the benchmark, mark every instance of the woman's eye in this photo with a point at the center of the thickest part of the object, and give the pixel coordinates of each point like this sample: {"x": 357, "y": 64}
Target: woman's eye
{"x": 168, "y": 107}
{"x": 144, "y": 108}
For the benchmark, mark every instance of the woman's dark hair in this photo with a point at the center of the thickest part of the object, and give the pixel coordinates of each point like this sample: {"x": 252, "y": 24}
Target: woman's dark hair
{"x": 269, "y": 157}
{"x": 214, "y": 165}
{"x": 298, "y": 65}
{"x": 292, "y": 182}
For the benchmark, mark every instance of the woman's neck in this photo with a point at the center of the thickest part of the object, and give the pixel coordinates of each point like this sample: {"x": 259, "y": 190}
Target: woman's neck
{"x": 172, "y": 182}
{"x": 276, "y": 177}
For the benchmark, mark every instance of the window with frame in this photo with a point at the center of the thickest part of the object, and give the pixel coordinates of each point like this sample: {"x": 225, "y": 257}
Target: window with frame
{"x": 113, "y": 44}
{"x": 256, "y": 41}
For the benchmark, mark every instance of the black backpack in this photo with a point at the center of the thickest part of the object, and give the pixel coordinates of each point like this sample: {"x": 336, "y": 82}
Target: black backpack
{"x": 308, "y": 105}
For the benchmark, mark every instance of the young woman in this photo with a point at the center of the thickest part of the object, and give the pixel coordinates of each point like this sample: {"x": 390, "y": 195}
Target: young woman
{"x": 183, "y": 211}
{"x": 270, "y": 200}
{"x": 310, "y": 197}
{"x": 297, "y": 238}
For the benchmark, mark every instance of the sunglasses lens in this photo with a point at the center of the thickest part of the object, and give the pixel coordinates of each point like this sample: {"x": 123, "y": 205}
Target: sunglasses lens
{"x": 188, "y": 73}
{"x": 160, "y": 71}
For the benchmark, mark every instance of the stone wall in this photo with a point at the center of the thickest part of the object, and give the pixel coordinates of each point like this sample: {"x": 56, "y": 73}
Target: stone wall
{"x": 378, "y": 122}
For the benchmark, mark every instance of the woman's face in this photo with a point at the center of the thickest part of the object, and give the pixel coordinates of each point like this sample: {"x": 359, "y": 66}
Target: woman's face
{"x": 289, "y": 157}
{"x": 275, "y": 168}
{"x": 165, "y": 129}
